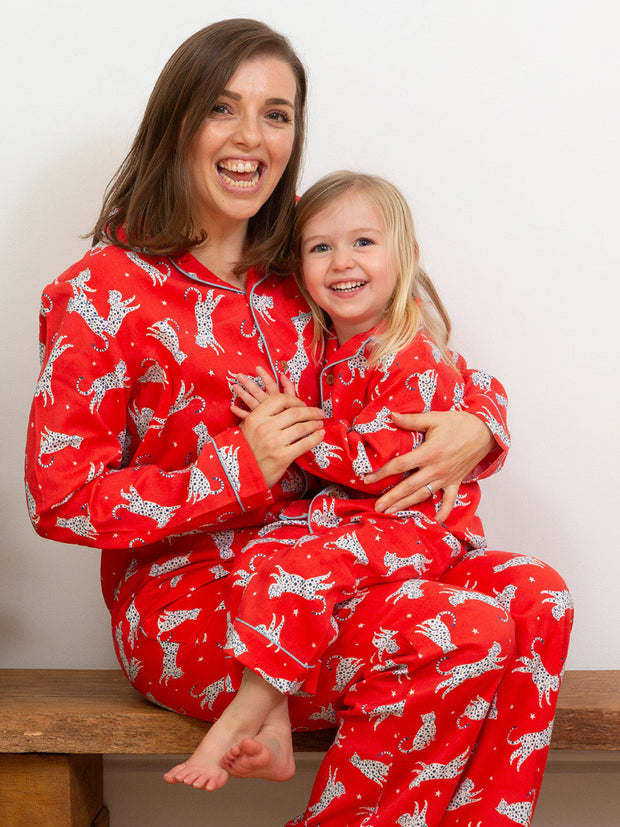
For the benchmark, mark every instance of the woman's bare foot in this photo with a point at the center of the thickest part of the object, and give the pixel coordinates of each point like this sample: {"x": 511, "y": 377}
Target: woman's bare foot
{"x": 269, "y": 755}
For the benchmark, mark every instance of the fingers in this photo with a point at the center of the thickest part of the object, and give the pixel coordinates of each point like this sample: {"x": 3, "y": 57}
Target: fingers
{"x": 252, "y": 394}
{"x": 247, "y": 398}
{"x": 272, "y": 427}
{"x": 454, "y": 443}
{"x": 409, "y": 492}
{"x": 271, "y": 386}
{"x": 283, "y": 427}
{"x": 240, "y": 412}
{"x": 298, "y": 410}
{"x": 249, "y": 391}
{"x": 270, "y": 405}
{"x": 279, "y": 440}
{"x": 287, "y": 385}
{"x": 305, "y": 443}
{"x": 414, "y": 421}
{"x": 401, "y": 497}
{"x": 402, "y": 464}
{"x": 450, "y": 493}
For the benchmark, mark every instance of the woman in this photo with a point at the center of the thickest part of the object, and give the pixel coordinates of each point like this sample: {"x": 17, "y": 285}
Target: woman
{"x": 132, "y": 447}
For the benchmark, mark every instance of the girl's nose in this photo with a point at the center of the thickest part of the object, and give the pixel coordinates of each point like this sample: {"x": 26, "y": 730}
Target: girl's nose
{"x": 342, "y": 260}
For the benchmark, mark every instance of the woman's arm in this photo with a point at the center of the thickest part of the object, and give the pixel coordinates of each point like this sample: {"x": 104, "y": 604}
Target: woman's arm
{"x": 104, "y": 472}
{"x": 351, "y": 447}
{"x": 458, "y": 445}
{"x": 455, "y": 443}
{"x": 279, "y": 430}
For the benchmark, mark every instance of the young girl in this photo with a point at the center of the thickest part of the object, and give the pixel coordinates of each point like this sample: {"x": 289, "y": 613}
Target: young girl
{"x": 383, "y": 335}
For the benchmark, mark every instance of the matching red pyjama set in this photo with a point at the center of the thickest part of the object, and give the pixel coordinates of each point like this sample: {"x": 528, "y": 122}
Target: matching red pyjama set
{"x": 443, "y": 689}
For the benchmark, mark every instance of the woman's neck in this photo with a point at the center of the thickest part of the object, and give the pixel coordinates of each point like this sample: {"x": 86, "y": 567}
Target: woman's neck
{"x": 221, "y": 252}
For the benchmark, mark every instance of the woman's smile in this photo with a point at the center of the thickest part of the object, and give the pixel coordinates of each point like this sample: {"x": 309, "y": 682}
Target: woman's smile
{"x": 240, "y": 174}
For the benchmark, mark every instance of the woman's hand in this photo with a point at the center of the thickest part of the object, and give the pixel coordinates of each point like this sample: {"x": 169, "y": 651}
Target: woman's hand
{"x": 454, "y": 443}
{"x": 279, "y": 427}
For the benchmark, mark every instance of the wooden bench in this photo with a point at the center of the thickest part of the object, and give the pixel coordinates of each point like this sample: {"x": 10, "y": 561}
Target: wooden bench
{"x": 56, "y": 726}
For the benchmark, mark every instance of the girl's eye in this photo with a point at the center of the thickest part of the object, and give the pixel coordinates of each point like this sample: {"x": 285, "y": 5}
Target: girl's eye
{"x": 319, "y": 248}
{"x": 364, "y": 242}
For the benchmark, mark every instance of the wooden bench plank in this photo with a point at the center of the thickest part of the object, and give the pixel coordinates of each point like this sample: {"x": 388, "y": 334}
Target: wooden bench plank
{"x": 98, "y": 712}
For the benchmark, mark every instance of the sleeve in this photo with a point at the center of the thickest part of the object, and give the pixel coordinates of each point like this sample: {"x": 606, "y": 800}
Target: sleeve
{"x": 419, "y": 381}
{"x": 413, "y": 383}
{"x": 485, "y": 397}
{"x": 81, "y": 486}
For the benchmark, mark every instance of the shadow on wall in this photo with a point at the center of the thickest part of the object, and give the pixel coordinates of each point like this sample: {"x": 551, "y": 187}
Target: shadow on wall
{"x": 52, "y": 611}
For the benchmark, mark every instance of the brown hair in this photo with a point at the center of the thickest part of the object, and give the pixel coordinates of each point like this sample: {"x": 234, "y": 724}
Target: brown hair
{"x": 415, "y": 299}
{"x": 147, "y": 203}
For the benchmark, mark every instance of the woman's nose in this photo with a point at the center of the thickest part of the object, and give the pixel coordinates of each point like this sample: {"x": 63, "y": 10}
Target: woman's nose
{"x": 248, "y": 132}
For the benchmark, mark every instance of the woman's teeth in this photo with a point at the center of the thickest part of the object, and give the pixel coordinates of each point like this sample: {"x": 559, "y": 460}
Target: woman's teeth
{"x": 249, "y": 169}
{"x": 239, "y": 166}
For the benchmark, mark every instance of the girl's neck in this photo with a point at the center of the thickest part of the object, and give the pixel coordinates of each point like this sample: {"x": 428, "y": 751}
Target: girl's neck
{"x": 348, "y": 331}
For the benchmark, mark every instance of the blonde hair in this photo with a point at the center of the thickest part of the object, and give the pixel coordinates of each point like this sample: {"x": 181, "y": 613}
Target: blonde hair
{"x": 415, "y": 301}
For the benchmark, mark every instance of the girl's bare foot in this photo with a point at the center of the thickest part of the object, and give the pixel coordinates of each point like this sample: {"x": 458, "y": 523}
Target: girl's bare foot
{"x": 269, "y": 755}
{"x": 203, "y": 769}
{"x": 258, "y": 714}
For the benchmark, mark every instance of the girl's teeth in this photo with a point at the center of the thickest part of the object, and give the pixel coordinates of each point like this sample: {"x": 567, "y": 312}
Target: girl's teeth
{"x": 349, "y": 285}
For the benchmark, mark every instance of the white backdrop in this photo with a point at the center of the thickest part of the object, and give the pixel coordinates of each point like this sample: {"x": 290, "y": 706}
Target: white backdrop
{"x": 500, "y": 123}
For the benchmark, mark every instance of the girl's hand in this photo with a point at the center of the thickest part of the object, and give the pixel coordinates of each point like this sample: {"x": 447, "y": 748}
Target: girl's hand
{"x": 454, "y": 443}
{"x": 279, "y": 427}
{"x": 252, "y": 394}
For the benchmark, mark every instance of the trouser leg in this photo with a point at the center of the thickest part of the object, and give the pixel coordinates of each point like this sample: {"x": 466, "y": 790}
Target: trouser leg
{"x": 504, "y": 774}
{"x": 395, "y": 687}
{"x": 284, "y": 621}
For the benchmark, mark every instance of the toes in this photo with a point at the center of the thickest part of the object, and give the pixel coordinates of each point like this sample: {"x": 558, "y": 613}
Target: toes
{"x": 217, "y": 781}
{"x": 251, "y": 748}
{"x": 176, "y": 774}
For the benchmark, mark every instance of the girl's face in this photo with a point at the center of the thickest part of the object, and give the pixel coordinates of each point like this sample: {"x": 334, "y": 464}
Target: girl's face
{"x": 242, "y": 148}
{"x": 346, "y": 264}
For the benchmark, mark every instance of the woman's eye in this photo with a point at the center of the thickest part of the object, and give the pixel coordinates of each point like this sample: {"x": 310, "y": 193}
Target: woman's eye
{"x": 364, "y": 242}
{"x": 280, "y": 117}
{"x": 220, "y": 109}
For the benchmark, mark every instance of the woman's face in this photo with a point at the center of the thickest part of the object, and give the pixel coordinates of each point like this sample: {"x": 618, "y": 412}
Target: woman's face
{"x": 243, "y": 146}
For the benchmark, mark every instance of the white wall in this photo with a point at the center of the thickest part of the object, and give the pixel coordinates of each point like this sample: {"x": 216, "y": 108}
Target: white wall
{"x": 500, "y": 123}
